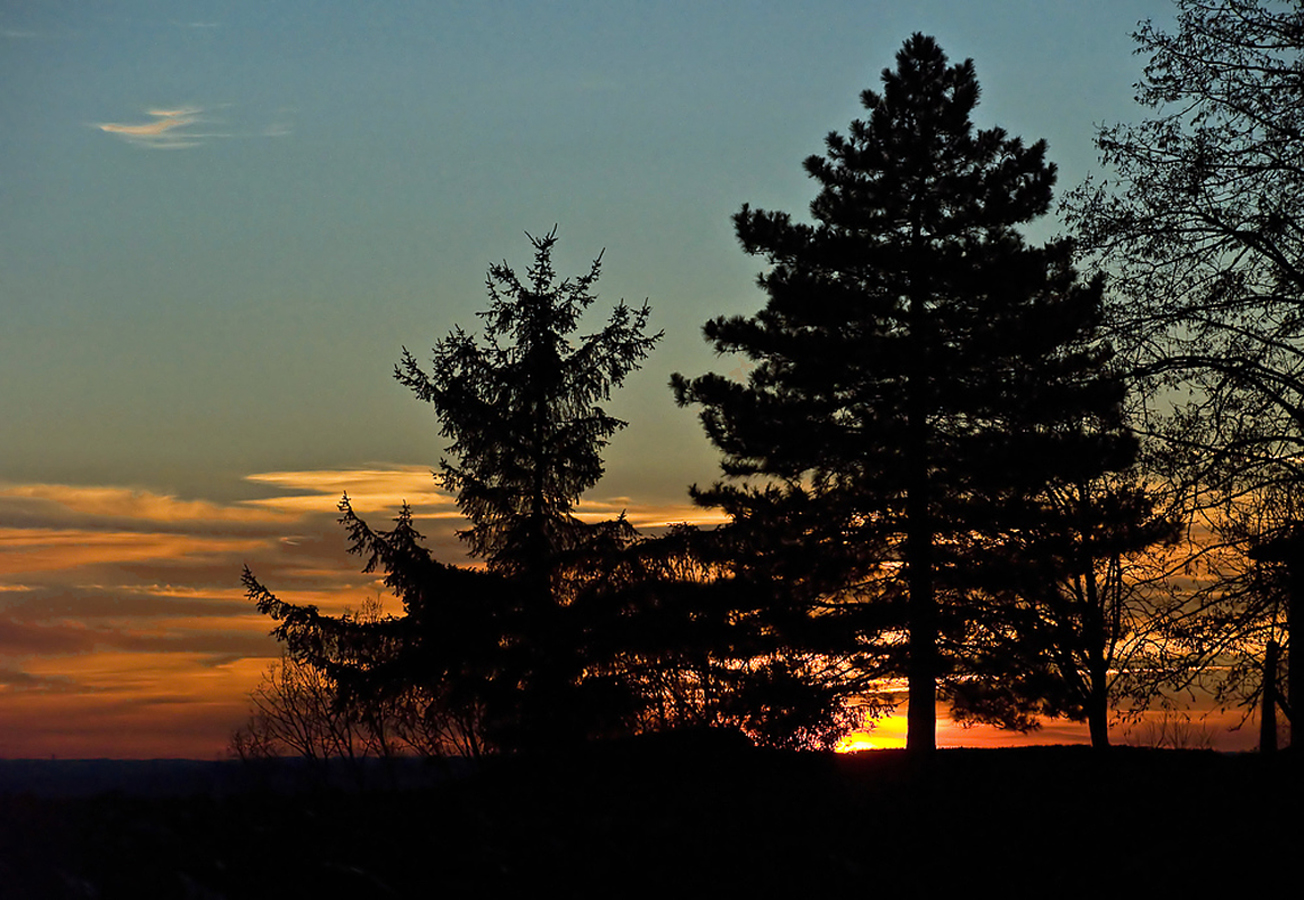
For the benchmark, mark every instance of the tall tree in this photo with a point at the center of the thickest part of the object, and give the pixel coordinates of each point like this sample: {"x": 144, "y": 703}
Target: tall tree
{"x": 1201, "y": 223}
{"x": 920, "y": 369}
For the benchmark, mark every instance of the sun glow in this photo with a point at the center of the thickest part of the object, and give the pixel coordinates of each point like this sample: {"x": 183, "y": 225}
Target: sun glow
{"x": 855, "y": 742}
{"x": 886, "y": 733}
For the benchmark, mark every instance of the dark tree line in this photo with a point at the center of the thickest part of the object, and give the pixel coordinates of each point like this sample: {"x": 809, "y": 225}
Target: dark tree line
{"x": 954, "y": 460}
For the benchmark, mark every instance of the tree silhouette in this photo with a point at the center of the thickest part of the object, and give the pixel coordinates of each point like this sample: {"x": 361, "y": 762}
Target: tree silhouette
{"x": 921, "y": 371}
{"x": 302, "y": 708}
{"x": 701, "y": 636}
{"x": 506, "y": 655}
{"x": 521, "y": 413}
{"x": 1199, "y": 223}
{"x": 526, "y": 433}
{"x": 426, "y": 676}
{"x": 1085, "y": 609}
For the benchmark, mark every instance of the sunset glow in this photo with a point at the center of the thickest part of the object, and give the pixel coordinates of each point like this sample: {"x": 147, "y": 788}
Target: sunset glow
{"x": 124, "y": 630}
{"x": 198, "y": 347}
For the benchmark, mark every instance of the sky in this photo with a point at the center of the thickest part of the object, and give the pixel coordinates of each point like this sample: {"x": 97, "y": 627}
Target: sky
{"x": 220, "y": 223}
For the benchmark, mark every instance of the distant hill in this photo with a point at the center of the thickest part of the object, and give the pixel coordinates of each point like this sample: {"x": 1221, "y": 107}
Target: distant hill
{"x": 645, "y": 820}
{"x": 157, "y": 778}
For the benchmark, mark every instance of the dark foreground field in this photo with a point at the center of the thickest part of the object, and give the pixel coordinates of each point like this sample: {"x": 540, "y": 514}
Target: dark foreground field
{"x": 668, "y": 820}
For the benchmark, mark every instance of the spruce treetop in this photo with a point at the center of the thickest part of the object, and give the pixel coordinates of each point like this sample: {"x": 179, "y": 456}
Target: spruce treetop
{"x": 521, "y": 406}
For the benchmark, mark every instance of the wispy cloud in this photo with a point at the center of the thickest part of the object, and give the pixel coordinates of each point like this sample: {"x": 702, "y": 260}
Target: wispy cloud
{"x": 369, "y": 490}
{"x": 29, "y": 551}
{"x": 178, "y": 128}
{"x": 643, "y": 515}
{"x": 111, "y": 592}
{"x": 58, "y": 501}
{"x": 166, "y": 131}
{"x": 15, "y": 680}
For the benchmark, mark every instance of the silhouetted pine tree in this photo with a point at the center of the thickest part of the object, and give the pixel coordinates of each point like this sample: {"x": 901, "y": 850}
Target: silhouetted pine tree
{"x": 920, "y": 369}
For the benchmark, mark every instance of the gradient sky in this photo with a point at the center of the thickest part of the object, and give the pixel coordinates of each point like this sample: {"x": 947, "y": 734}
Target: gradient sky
{"x": 219, "y": 223}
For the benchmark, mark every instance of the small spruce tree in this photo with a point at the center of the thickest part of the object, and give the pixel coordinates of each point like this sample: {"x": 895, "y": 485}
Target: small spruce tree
{"x": 526, "y": 432}
{"x": 505, "y": 654}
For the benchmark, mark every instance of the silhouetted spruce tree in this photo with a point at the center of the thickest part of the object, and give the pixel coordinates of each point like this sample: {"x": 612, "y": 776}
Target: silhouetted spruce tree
{"x": 919, "y": 367}
{"x": 526, "y": 432}
{"x": 505, "y": 652}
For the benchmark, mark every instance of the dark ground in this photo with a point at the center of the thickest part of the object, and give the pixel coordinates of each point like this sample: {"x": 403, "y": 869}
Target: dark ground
{"x": 661, "y": 819}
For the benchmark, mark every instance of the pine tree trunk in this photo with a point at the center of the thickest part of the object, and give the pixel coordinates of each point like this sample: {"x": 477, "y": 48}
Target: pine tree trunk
{"x": 921, "y": 714}
{"x": 1093, "y": 633}
{"x": 921, "y": 671}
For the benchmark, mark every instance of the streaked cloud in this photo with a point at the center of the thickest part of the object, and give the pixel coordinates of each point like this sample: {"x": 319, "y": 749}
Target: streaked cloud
{"x": 370, "y": 490}
{"x": 14, "y": 680}
{"x": 29, "y": 551}
{"x": 648, "y": 516}
{"x": 166, "y": 131}
{"x": 176, "y": 128}
{"x": 116, "y": 503}
{"x": 122, "y": 613}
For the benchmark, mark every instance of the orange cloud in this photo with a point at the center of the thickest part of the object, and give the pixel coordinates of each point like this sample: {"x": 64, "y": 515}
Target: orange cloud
{"x": 648, "y": 515}
{"x": 152, "y": 129}
{"x": 116, "y": 502}
{"x": 370, "y": 490}
{"x": 121, "y": 611}
{"x": 128, "y": 705}
{"x": 46, "y": 550}
{"x": 384, "y": 489}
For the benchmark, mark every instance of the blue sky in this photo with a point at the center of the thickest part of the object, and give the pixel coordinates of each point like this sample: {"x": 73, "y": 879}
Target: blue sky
{"x": 220, "y": 222}
{"x": 228, "y": 295}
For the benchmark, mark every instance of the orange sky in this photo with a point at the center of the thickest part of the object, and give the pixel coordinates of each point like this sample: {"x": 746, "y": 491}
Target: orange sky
{"x": 124, "y": 631}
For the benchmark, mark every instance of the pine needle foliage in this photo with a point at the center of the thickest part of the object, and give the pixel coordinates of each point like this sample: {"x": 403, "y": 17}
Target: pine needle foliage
{"x": 919, "y": 367}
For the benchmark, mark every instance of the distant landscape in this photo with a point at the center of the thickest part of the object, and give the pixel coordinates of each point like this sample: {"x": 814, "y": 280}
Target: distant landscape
{"x": 720, "y": 820}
